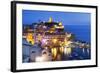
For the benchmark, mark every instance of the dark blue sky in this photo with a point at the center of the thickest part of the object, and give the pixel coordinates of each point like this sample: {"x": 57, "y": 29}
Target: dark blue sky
{"x": 67, "y": 18}
{"x": 76, "y": 21}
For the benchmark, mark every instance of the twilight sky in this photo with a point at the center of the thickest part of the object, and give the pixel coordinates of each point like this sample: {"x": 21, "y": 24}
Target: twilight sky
{"x": 67, "y": 18}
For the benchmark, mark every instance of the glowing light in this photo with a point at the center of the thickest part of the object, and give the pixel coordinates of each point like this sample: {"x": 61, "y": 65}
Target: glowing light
{"x": 67, "y": 43}
{"x": 59, "y": 27}
{"x": 54, "y": 40}
{"x": 54, "y": 52}
{"x": 61, "y": 49}
{"x": 55, "y": 26}
{"x": 44, "y": 41}
{"x": 60, "y": 23}
{"x": 69, "y": 35}
{"x": 39, "y": 37}
{"x": 30, "y": 38}
{"x": 67, "y": 50}
{"x": 44, "y": 27}
{"x": 51, "y": 31}
{"x": 83, "y": 50}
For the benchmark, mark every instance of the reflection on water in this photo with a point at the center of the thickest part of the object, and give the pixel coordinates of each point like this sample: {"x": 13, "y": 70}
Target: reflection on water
{"x": 38, "y": 54}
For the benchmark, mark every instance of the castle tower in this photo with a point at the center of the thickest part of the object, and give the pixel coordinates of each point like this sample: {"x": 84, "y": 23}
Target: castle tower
{"x": 50, "y": 19}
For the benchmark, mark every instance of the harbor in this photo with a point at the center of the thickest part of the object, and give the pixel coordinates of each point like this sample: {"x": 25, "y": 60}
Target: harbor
{"x": 48, "y": 41}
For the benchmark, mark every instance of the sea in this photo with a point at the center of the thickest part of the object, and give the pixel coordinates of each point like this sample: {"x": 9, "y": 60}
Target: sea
{"x": 82, "y": 33}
